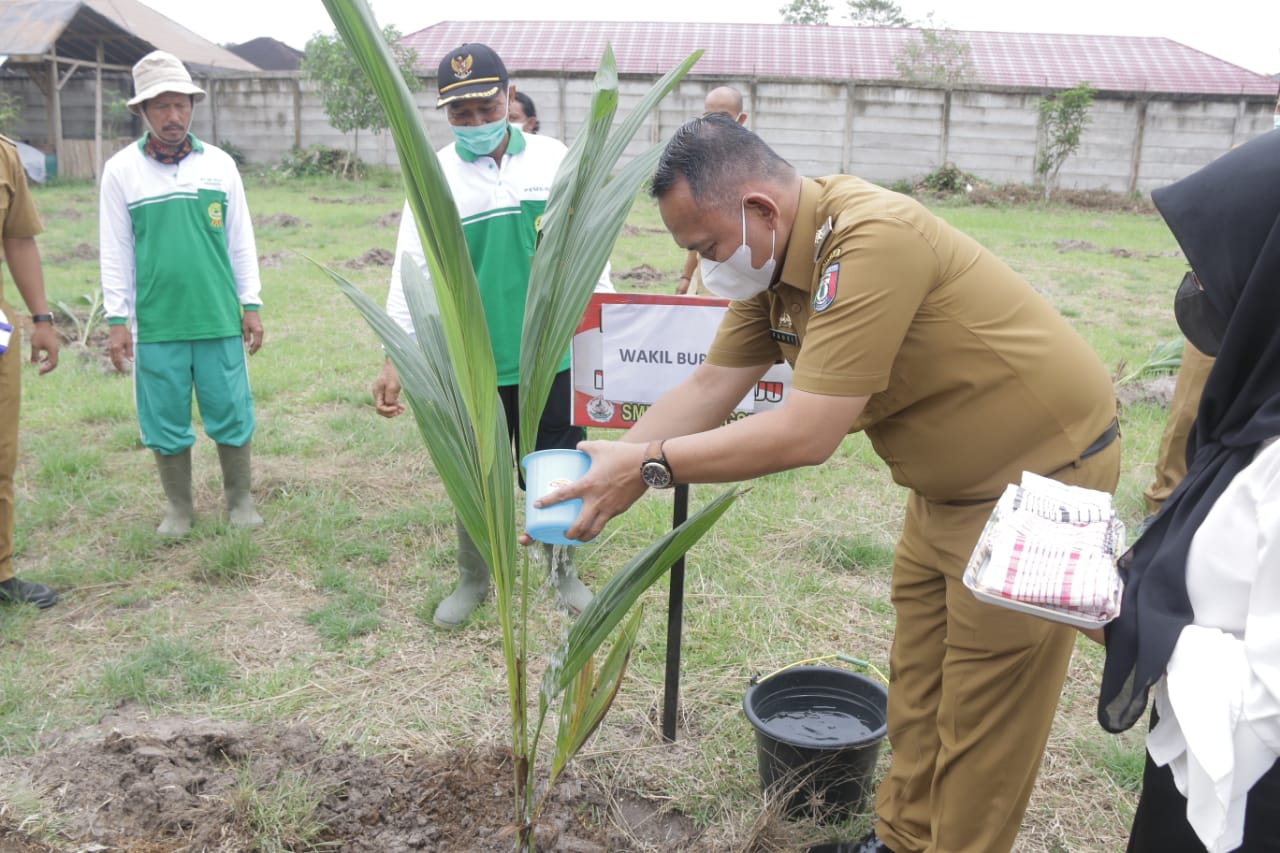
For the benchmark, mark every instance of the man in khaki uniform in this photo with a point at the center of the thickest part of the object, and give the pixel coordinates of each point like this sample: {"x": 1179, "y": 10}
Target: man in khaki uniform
{"x": 19, "y": 225}
{"x": 961, "y": 375}
{"x": 1171, "y": 464}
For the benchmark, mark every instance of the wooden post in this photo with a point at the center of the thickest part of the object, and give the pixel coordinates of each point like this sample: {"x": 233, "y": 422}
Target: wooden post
{"x": 55, "y": 110}
{"x": 675, "y": 622}
{"x": 97, "y": 117}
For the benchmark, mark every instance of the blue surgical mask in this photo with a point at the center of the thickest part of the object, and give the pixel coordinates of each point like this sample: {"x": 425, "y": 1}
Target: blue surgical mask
{"x": 482, "y": 139}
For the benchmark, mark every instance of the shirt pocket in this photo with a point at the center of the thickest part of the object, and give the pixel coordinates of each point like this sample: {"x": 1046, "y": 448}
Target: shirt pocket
{"x": 212, "y": 208}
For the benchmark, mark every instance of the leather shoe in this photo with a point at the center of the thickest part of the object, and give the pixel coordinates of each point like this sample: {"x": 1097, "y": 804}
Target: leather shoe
{"x": 870, "y": 843}
{"x": 24, "y": 592}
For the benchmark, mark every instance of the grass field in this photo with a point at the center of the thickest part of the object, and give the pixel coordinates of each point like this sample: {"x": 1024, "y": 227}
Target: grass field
{"x": 322, "y": 617}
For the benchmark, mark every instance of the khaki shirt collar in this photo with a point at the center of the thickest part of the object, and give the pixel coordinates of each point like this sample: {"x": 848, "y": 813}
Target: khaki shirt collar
{"x": 797, "y": 269}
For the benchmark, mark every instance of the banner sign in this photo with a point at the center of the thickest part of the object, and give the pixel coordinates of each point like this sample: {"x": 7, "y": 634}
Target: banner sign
{"x": 631, "y": 348}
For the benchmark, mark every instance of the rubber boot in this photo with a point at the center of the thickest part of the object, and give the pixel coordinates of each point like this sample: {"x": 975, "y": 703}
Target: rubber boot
{"x": 175, "y": 478}
{"x": 235, "y": 463}
{"x": 571, "y": 594}
{"x": 473, "y": 584}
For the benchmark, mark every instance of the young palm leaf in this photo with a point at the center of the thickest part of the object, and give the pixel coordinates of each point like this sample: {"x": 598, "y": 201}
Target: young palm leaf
{"x": 586, "y": 211}
{"x": 431, "y": 201}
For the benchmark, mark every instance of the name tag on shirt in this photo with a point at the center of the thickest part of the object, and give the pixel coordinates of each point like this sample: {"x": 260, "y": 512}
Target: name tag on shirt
{"x": 784, "y": 337}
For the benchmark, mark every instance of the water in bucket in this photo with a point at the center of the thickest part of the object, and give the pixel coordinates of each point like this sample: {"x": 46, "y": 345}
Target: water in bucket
{"x": 818, "y": 735}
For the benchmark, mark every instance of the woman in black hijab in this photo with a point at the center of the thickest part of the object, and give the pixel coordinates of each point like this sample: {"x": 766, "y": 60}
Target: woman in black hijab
{"x": 1226, "y": 218}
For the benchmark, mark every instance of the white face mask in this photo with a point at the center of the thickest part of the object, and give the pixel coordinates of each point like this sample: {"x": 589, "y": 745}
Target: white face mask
{"x": 734, "y": 277}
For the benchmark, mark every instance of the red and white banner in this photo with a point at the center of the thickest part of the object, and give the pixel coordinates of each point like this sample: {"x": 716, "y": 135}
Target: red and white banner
{"x": 631, "y": 348}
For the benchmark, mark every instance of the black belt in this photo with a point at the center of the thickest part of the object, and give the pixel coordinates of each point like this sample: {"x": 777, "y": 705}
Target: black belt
{"x": 1101, "y": 442}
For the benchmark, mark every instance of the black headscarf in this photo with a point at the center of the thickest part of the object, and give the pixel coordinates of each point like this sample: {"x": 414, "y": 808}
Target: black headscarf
{"x": 1226, "y": 218}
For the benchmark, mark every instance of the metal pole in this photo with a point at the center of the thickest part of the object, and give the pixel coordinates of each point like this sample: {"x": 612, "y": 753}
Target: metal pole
{"x": 675, "y": 621}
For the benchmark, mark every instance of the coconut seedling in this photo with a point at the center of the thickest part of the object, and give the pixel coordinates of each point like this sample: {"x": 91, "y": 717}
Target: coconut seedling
{"x": 448, "y": 376}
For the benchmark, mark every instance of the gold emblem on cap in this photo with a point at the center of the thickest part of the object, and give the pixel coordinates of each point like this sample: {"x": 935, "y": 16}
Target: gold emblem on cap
{"x": 461, "y": 66}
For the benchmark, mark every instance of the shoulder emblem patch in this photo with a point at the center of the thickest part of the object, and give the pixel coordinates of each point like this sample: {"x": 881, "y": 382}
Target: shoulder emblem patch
{"x": 826, "y": 292}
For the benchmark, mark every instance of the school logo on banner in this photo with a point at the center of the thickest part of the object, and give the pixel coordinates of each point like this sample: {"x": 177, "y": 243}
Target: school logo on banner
{"x": 826, "y": 293}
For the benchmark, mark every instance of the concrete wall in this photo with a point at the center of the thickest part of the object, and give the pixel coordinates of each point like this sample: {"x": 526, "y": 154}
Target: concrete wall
{"x": 883, "y": 132}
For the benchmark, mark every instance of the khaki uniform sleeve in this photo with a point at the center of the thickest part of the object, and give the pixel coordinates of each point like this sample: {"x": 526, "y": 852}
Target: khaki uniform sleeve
{"x": 18, "y": 216}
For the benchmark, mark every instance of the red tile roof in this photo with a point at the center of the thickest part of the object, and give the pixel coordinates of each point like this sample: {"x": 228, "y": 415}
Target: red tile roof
{"x": 737, "y": 51}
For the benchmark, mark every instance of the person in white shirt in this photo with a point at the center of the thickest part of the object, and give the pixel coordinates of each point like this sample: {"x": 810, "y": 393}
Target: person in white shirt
{"x": 500, "y": 178}
{"x": 1200, "y": 620}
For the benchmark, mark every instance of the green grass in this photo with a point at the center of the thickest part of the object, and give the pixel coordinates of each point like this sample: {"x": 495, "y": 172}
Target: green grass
{"x": 322, "y": 616}
{"x": 281, "y": 815}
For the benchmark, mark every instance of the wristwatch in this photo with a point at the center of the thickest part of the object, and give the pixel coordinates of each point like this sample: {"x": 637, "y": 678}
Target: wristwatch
{"x": 656, "y": 470}
{"x": 42, "y": 318}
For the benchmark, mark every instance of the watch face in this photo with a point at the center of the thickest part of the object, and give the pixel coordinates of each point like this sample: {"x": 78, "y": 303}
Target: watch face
{"x": 656, "y": 475}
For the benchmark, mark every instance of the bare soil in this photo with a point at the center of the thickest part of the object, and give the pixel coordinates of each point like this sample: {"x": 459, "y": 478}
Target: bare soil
{"x": 173, "y": 785}
{"x": 375, "y": 257}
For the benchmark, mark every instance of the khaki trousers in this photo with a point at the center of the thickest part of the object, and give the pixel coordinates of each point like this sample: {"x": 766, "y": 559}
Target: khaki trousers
{"x": 1171, "y": 465}
{"x": 973, "y": 687}
{"x": 10, "y": 395}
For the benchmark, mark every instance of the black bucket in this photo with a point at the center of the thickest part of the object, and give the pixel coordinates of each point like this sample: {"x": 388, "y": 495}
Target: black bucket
{"x": 818, "y": 735}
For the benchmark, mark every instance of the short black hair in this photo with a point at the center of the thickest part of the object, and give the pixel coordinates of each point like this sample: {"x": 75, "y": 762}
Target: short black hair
{"x": 715, "y": 155}
{"x": 530, "y": 111}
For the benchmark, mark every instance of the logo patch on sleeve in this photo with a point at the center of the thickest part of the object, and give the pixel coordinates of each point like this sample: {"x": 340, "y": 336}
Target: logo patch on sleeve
{"x": 826, "y": 292}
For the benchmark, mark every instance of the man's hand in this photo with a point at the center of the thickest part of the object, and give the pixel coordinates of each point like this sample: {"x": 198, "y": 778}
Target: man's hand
{"x": 251, "y": 331}
{"x": 610, "y": 487}
{"x": 386, "y": 392}
{"x": 44, "y": 347}
{"x": 120, "y": 345}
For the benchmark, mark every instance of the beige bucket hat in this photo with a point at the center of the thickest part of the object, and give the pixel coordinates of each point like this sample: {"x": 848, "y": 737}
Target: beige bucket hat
{"x": 159, "y": 72}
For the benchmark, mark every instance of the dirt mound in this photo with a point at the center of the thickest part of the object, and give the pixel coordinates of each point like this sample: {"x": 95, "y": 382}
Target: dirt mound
{"x": 388, "y": 220}
{"x": 81, "y": 252}
{"x": 376, "y": 257}
{"x": 284, "y": 220}
{"x": 1157, "y": 391}
{"x": 1026, "y": 194}
{"x": 272, "y": 260}
{"x": 359, "y": 199}
{"x": 643, "y": 274}
{"x": 173, "y": 784}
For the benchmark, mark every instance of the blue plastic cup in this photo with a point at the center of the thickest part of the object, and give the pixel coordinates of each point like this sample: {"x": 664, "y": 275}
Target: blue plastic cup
{"x": 544, "y": 472}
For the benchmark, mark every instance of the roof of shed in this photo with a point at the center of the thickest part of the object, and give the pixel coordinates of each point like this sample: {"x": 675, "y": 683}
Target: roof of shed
{"x": 29, "y": 29}
{"x": 128, "y": 30}
{"x": 736, "y": 51}
{"x": 196, "y": 51}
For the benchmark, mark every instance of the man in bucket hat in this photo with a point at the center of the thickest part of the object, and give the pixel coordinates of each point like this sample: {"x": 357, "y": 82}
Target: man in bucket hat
{"x": 500, "y": 178}
{"x": 181, "y": 290}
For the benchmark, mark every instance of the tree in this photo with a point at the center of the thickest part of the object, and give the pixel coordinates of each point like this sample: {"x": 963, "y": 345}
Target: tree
{"x": 1063, "y": 118}
{"x": 940, "y": 56}
{"x": 449, "y": 378}
{"x": 806, "y": 12}
{"x": 343, "y": 89}
{"x": 876, "y": 13}
{"x": 10, "y": 112}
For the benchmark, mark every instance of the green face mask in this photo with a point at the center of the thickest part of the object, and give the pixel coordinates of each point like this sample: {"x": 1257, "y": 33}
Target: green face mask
{"x": 483, "y": 139}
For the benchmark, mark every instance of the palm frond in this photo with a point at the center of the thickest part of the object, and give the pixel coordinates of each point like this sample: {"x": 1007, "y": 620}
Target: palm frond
{"x": 431, "y": 201}
{"x": 588, "y": 206}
